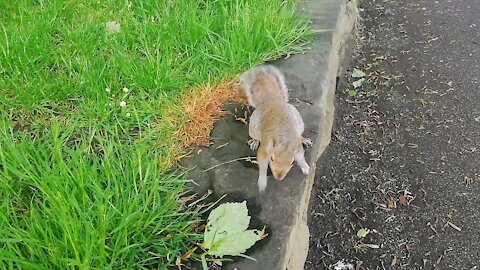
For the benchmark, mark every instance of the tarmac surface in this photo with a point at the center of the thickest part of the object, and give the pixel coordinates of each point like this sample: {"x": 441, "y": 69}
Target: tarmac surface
{"x": 398, "y": 186}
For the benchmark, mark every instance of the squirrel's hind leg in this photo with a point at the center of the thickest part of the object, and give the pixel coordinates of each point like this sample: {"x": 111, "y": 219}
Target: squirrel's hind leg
{"x": 254, "y": 130}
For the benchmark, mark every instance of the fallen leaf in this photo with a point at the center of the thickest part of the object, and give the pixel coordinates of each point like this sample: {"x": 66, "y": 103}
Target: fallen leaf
{"x": 363, "y": 232}
{"x": 390, "y": 203}
{"x": 352, "y": 93}
{"x": 394, "y": 261}
{"x": 201, "y": 228}
{"x": 357, "y": 73}
{"x": 403, "y": 199}
{"x": 226, "y": 231}
{"x": 187, "y": 255}
{"x": 341, "y": 265}
{"x": 408, "y": 248}
{"x": 112, "y": 27}
{"x": 358, "y": 83}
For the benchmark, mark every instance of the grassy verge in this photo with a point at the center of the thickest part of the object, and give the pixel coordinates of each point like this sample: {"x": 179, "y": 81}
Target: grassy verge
{"x": 92, "y": 98}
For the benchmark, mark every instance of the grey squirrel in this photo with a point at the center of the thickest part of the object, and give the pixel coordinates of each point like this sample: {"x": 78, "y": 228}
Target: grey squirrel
{"x": 275, "y": 126}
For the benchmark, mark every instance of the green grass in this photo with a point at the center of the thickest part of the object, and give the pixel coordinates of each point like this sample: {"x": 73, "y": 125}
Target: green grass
{"x": 64, "y": 205}
{"x": 83, "y": 181}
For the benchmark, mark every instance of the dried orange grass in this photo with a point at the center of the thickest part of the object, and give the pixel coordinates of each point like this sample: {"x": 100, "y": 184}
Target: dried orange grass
{"x": 199, "y": 109}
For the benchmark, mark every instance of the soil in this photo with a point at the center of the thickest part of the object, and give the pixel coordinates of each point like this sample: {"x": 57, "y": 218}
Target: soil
{"x": 404, "y": 161}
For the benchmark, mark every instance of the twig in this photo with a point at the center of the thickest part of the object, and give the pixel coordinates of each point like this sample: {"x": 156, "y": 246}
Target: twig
{"x": 220, "y": 146}
{"x": 230, "y": 161}
{"x": 454, "y": 226}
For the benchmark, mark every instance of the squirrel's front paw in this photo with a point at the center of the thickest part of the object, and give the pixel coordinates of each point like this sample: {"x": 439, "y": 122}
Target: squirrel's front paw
{"x": 262, "y": 183}
{"x": 253, "y": 144}
{"x": 307, "y": 142}
{"x": 305, "y": 169}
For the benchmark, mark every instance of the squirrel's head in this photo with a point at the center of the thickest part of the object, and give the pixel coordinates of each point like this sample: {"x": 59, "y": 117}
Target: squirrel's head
{"x": 283, "y": 157}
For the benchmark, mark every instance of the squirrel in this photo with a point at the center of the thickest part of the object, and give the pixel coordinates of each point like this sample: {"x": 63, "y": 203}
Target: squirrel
{"x": 275, "y": 126}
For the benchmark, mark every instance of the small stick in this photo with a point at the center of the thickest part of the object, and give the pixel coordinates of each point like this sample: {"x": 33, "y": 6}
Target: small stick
{"x": 230, "y": 161}
{"x": 454, "y": 226}
{"x": 220, "y": 146}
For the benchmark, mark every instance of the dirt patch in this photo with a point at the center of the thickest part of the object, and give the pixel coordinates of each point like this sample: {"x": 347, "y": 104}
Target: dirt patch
{"x": 397, "y": 187}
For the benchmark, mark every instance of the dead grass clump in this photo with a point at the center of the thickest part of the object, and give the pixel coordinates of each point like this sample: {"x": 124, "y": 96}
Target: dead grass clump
{"x": 199, "y": 109}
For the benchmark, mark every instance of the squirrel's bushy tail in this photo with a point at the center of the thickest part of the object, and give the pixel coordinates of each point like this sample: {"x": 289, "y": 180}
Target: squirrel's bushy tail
{"x": 263, "y": 83}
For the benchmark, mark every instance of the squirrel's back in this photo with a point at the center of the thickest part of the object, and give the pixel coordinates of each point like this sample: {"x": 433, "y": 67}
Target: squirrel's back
{"x": 262, "y": 84}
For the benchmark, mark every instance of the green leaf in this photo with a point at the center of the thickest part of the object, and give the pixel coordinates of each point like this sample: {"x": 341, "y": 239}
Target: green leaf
{"x": 352, "y": 93}
{"x": 235, "y": 244}
{"x": 357, "y": 73}
{"x": 363, "y": 232}
{"x": 227, "y": 218}
{"x": 226, "y": 231}
{"x": 358, "y": 83}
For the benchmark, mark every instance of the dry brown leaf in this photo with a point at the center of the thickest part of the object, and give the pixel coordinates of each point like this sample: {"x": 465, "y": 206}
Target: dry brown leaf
{"x": 187, "y": 198}
{"x": 403, "y": 199}
{"x": 187, "y": 255}
{"x": 394, "y": 261}
{"x": 391, "y": 203}
{"x": 408, "y": 248}
{"x": 178, "y": 263}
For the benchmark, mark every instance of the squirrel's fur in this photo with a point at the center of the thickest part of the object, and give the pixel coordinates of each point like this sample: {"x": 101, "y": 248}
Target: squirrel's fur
{"x": 275, "y": 126}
